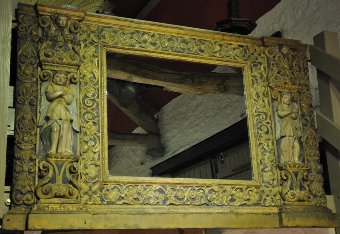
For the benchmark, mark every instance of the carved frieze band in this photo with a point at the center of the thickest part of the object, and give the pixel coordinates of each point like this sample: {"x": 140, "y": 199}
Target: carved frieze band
{"x": 181, "y": 45}
{"x": 165, "y": 195}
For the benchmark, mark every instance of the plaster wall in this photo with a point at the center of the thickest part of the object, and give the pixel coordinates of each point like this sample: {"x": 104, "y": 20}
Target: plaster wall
{"x": 301, "y": 20}
{"x": 184, "y": 122}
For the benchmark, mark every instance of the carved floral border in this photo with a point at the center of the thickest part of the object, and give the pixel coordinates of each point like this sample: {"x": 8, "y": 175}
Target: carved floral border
{"x": 265, "y": 69}
{"x": 93, "y": 192}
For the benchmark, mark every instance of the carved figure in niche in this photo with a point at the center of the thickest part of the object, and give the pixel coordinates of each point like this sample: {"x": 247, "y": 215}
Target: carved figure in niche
{"x": 288, "y": 133}
{"x": 58, "y": 115}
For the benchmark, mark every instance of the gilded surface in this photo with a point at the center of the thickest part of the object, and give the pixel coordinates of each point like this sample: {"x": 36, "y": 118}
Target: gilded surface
{"x": 259, "y": 117}
{"x": 26, "y": 108}
{"x": 90, "y": 151}
{"x": 52, "y": 175}
{"x": 182, "y": 46}
{"x": 58, "y": 170}
{"x": 288, "y": 76}
{"x": 294, "y": 178}
{"x": 165, "y": 195}
{"x": 283, "y": 173}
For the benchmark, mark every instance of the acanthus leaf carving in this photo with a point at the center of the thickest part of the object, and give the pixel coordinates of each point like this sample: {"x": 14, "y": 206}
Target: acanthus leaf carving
{"x": 26, "y": 109}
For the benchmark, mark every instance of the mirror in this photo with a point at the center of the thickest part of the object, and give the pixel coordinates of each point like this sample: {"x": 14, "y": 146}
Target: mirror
{"x": 176, "y": 119}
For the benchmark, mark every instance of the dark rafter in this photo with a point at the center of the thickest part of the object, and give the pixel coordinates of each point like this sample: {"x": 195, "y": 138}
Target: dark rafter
{"x": 129, "y": 104}
{"x": 181, "y": 82}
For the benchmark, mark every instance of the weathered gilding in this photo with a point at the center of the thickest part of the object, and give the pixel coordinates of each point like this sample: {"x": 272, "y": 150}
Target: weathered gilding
{"x": 281, "y": 194}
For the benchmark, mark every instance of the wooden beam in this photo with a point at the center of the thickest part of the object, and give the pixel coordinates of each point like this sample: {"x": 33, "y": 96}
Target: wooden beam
{"x": 325, "y": 62}
{"x": 181, "y": 82}
{"x": 147, "y": 9}
{"x": 131, "y": 107}
{"x": 328, "y": 130}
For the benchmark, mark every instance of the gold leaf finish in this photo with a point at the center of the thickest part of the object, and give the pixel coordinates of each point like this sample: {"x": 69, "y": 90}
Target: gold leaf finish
{"x": 78, "y": 186}
{"x": 26, "y": 110}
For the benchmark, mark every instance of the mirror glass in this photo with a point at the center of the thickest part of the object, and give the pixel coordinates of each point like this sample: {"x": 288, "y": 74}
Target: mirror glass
{"x": 176, "y": 119}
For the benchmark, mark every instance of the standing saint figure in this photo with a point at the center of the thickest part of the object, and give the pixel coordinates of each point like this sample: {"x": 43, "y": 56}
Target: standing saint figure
{"x": 287, "y": 131}
{"x": 58, "y": 116}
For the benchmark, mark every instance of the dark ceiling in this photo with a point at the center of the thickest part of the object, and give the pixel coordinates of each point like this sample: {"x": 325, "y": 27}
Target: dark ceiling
{"x": 192, "y": 13}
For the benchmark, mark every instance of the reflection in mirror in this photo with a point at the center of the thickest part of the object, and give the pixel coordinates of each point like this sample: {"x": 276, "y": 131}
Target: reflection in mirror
{"x": 176, "y": 119}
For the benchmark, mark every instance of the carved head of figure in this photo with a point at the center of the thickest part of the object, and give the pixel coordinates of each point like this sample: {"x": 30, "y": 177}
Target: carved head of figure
{"x": 286, "y": 98}
{"x": 60, "y": 78}
{"x": 61, "y": 21}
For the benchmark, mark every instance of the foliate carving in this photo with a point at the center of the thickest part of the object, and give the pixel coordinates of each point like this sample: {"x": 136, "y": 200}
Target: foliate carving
{"x": 267, "y": 67}
{"x": 25, "y": 124}
{"x": 23, "y": 177}
{"x": 162, "y": 42}
{"x": 90, "y": 161}
{"x": 58, "y": 178}
{"x": 298, "y": 155}
{"x": 294, "y": 178}
{"x": 311, "y": 151}
{"x": 131, "y": 194}
{"x": 26, "y": 109}
{"x": 288, "y": 69}
{"x": 60, "y": 40}
{"x": 260, "y": 130}
{"x": 90, "y": 157}
{"x": 58, "y": 169}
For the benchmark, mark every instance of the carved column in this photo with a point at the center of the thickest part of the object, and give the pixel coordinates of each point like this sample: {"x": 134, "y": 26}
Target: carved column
{"x": 26, "y": 109}
{"x": 24, "y": 170}
{"x": 296, "y": 141}
{"x": 58, "y": 126}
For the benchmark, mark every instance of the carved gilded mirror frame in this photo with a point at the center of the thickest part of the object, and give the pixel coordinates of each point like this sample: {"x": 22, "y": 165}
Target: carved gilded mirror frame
{"x": 61, "y": 89}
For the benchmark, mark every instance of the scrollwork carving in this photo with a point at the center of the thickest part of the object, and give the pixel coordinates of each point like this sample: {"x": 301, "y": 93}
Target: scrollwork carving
{"x": 288, "y": 79}
{"x": 26, "y": 109}
{"x": 60, "y": 43}
{"x": 90, "y": 157}
{"x": 294, "y": 178}
{"x": 257, "y": 73}
{"x": 161, "y": 42}
{"x": 58, "y": 179}
{"x": 24, "y": 177}
{"x": 58, "y": 114}
{"x": 184, "y": 46}
{"x": 71, "y": 47}
{"x": 130, "y": 194}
